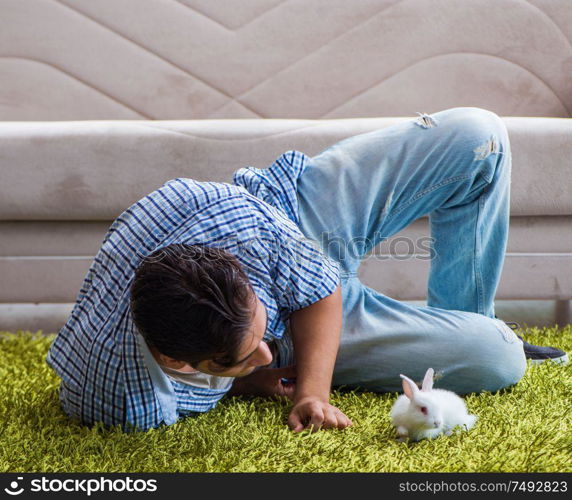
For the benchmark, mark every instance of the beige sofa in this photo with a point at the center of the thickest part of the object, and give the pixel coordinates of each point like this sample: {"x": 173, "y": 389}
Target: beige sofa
{"x": 102, "y": 102}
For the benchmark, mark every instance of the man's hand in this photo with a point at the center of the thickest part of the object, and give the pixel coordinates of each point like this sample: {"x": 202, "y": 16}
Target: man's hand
{"x": 266, "y": 382}
{"x": 313, "y": 413}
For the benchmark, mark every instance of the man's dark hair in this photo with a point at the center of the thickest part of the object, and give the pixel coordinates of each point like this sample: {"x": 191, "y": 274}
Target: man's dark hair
{"x": 193, "y": 302}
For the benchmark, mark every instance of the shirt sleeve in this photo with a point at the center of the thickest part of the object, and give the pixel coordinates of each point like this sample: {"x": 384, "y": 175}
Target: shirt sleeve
{"x": 301, "y": 272}
{"x": 276, "y": 184}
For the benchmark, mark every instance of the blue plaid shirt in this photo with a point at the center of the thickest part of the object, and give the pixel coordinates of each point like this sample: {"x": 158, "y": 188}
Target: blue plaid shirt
{"x": 107, "y": 371}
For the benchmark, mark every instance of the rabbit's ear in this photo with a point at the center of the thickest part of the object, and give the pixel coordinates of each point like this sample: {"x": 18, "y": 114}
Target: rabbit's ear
{"x": 427, "y": 380}
{"x": 409, "y": 387}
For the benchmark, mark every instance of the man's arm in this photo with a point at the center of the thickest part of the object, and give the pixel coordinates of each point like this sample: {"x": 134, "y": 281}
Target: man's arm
{"x": 316, "y": 331}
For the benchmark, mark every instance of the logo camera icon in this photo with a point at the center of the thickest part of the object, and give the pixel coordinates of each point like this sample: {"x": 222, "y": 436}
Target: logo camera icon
{"x": 13, "y": 486}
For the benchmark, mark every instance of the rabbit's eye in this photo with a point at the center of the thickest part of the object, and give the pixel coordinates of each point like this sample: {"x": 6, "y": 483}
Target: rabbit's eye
{"x": 423, "y": 410}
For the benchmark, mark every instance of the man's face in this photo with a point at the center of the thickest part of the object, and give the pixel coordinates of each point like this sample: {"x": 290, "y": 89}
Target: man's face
{"x": 253, "y": 352}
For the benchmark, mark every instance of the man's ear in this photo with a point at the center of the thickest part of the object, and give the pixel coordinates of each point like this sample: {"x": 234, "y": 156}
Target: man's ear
{"x": 210, "y": 365}
{"x": 173, "y": 363}
{"x": 165, "y": 360}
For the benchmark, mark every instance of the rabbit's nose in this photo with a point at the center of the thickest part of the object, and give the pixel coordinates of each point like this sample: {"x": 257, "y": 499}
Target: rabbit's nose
{"x": 437, "y": 424}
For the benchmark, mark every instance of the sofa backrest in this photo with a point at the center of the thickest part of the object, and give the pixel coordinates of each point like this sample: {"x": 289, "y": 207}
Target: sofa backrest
{"x": 200, "y": 59}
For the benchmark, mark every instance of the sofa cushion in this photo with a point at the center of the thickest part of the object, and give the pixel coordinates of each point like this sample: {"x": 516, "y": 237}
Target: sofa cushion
{"x": 93, "y": 170}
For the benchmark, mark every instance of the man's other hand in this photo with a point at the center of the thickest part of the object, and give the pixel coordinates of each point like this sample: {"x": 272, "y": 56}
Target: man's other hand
{"x": 266, "y": 382}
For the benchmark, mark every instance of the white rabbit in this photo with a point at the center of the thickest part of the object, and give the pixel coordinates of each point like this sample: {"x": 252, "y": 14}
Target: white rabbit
{"x": 427, "y": 413}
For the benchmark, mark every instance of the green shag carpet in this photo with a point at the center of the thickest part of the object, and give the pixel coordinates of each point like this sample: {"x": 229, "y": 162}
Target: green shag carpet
{"x": 522, "y": 429}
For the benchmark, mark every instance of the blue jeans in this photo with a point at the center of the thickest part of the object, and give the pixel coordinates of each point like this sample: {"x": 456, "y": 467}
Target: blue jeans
{"x": 453, "y": 166}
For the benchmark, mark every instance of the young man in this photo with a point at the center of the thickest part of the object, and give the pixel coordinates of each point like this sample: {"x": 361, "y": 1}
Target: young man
{"x": 203, "y": 289}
